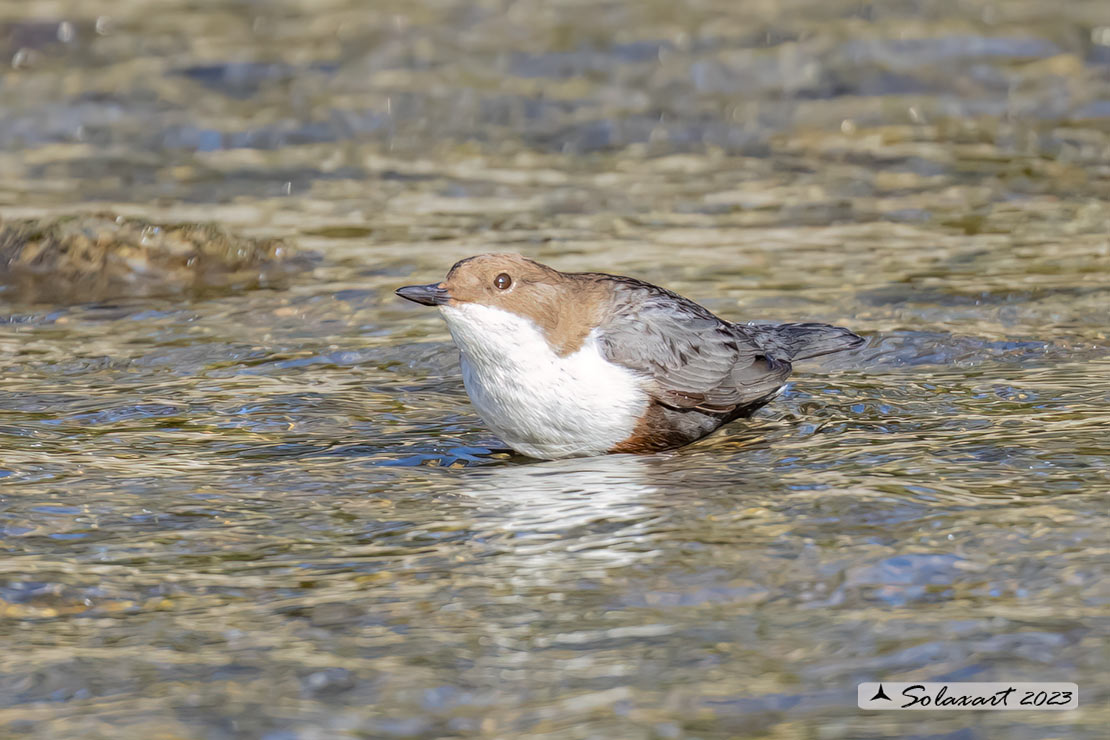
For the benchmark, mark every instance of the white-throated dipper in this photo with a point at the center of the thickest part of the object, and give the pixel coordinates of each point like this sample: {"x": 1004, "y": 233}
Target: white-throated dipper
{"x": 568, "y": 364}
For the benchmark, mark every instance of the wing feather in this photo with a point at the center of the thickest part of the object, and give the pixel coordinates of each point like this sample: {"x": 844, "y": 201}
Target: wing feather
{"x": 694, "y": 359}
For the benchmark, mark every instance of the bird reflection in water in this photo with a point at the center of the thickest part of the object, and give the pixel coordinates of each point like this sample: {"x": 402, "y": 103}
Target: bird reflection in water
{"x": 584, "y": 510}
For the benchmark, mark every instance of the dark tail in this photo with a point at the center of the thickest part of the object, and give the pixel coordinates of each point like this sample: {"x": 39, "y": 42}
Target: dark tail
{"x": 802, "y": 341}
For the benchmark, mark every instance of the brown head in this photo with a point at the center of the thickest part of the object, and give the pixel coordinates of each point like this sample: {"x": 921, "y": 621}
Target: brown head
{"x": 565, "y": 306}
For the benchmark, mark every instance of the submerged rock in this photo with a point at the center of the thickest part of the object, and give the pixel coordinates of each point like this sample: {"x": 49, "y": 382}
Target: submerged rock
{"x": 98, "y": 257}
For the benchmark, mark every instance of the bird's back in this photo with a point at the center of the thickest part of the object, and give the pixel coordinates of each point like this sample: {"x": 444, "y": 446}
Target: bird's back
{"x": 704, "y": 371}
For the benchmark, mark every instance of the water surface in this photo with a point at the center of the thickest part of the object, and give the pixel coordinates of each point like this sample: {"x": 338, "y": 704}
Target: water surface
{"x": 271, "y": 512}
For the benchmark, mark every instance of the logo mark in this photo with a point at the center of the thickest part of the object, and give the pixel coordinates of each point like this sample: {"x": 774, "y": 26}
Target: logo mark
{"x": 880, "y": 694}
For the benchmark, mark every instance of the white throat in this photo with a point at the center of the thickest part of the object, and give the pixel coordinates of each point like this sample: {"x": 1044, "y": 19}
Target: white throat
{"x": 543, "y": 405}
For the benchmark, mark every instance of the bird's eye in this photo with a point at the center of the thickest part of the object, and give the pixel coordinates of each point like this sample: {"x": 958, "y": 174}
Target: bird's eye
{"x": 502, "y": 281}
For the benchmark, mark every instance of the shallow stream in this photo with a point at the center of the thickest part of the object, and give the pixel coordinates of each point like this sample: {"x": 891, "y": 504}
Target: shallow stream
{"x": 265, "y": 509}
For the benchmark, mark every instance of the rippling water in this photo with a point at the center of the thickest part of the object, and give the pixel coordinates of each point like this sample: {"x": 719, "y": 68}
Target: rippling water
{"x": 272, "y": 513}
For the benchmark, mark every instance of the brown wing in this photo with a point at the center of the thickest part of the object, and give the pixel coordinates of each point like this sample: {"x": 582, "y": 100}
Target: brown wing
{"x": 696, "y": 360}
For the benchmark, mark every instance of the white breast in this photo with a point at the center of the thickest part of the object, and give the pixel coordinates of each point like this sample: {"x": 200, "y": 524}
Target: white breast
{"x": 542, "y": 405}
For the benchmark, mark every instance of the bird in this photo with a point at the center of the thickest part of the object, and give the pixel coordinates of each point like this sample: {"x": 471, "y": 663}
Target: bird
{"x": 562, "y": 364}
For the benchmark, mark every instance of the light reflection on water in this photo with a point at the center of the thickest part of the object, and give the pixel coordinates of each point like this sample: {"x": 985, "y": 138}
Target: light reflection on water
{"x": 272, "y": 513}
{"x": 567, "y": 513}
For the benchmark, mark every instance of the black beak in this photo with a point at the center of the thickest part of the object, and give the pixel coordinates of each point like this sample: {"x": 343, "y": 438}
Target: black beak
{"x": 430, "y": 295}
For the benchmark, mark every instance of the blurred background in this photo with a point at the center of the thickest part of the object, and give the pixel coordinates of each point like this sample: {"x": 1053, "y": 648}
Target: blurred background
{"x": 243, "y": 495}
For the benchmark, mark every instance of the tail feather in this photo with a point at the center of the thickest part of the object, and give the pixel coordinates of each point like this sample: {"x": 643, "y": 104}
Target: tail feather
{"x": 803, "y": 341}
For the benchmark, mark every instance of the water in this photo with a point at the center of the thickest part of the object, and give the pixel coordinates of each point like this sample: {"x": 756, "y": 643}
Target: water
{"x": 270, "y": 512}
